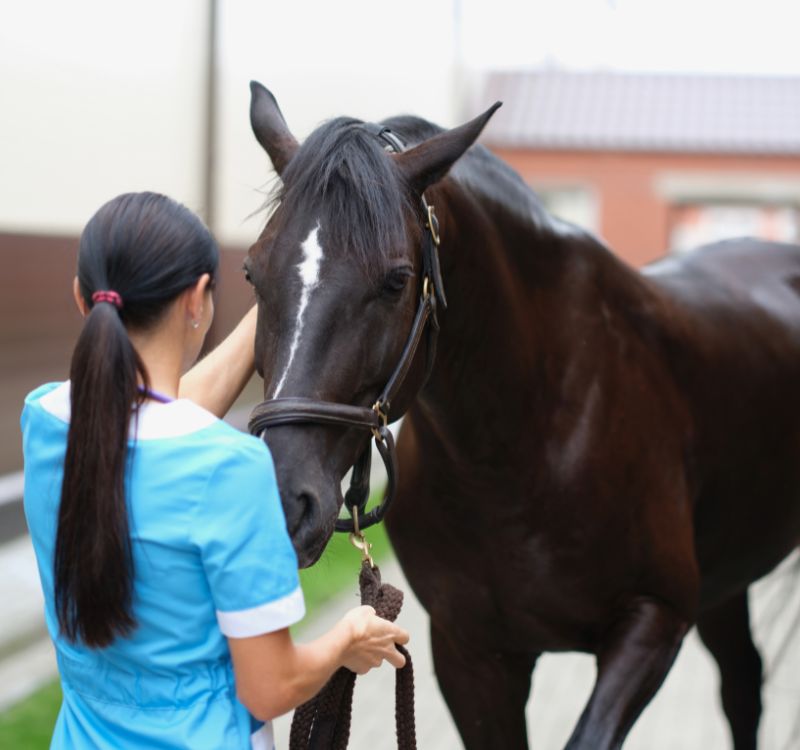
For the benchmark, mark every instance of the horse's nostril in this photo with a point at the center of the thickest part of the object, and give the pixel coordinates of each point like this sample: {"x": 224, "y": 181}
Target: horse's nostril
{"x": 305, "y": 502}
{"x": 307, "y": 510}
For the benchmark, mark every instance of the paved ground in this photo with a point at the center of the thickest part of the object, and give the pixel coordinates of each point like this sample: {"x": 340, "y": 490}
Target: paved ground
{"x": 684, "y": 715}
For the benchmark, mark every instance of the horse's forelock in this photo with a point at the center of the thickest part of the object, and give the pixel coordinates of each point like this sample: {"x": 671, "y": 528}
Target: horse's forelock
{"x": 342, "y": 174}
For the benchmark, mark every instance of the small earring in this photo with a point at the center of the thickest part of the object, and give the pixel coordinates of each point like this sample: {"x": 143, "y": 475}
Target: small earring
{"x": 195, "y": 324}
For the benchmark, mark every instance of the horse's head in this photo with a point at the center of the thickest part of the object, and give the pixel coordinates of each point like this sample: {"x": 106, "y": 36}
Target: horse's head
{"x": 337, "y": 272}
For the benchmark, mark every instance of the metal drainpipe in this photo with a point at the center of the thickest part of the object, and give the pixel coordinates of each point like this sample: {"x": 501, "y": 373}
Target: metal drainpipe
{"x": 210, "y": 136}
{"x": 210, "y": 105}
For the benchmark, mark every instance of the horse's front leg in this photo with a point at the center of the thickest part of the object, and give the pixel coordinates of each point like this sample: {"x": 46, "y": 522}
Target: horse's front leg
{"x": 485, "y": 692}
{"x": 632, "y": 661}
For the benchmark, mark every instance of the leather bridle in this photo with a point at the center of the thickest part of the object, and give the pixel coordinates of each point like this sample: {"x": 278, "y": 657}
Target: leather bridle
{"x": 294, "y": 410}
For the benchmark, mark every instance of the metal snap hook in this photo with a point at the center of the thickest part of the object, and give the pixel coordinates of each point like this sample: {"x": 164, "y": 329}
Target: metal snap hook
{"x": 359, "y": 541}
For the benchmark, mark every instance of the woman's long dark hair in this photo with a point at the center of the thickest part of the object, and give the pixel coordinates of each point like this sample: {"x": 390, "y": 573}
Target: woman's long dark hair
{"x": 148, "y": 249}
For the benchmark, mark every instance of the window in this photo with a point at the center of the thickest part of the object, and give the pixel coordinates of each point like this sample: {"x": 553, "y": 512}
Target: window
{"x": 696, "y": 224}
{"x": 574, "y": 203}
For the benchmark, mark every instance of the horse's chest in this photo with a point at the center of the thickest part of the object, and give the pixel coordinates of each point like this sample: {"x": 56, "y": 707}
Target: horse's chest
{"x": 512, "y": 595}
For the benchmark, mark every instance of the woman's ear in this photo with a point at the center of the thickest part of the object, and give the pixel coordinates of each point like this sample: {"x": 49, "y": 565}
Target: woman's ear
{"x": 83, "y": 308}
{"x": 197, "y": 299}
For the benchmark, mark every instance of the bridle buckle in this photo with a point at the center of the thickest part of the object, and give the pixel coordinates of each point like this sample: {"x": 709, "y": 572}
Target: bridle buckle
{"x": 433, "y": 225}
{"x": 426, "y": 287}
{"x": 378, "y": 407}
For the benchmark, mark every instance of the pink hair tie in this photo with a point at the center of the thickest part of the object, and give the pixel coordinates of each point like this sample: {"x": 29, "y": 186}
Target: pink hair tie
{"x": 108, "y": 296}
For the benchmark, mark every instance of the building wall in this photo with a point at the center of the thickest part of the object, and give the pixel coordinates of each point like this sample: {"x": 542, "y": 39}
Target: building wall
{"x": 635, "y": 192}
{"x": 102, "y": 98}
{"x": 98, "y": 99}
{"x": 38, "y": 326}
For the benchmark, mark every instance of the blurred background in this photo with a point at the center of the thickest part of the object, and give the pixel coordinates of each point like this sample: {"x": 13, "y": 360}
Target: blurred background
{"x": 657, "y": 124}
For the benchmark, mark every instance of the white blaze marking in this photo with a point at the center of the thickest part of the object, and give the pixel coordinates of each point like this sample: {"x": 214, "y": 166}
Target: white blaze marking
{"x": 308, "y": 269}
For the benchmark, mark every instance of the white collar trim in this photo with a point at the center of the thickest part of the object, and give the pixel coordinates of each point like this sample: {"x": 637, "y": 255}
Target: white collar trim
{"x": 156, "y": 421}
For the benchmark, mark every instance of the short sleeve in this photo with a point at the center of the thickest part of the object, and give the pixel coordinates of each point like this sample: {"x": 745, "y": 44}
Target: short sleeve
{"x": 246, "y": 551}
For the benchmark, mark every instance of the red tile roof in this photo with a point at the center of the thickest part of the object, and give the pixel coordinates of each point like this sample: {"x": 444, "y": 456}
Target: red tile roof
{"x": 644, "y": 112}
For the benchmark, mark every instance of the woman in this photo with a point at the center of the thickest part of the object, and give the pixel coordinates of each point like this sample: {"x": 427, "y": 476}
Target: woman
{"x": 169, "y": 577}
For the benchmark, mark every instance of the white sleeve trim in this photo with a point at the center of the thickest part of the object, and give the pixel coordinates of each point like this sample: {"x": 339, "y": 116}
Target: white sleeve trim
{"x": 263, "y": 738}
{"x": 266, "y": 618}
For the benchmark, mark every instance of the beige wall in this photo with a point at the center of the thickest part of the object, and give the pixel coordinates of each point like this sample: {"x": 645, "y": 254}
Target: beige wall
{"x": 364, "y": 59}
{"x": 98, "y": 98}
{"x": 102, "y": 97}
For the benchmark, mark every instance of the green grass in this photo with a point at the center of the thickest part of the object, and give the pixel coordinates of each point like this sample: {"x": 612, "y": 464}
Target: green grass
{"x": 29, "y": 724}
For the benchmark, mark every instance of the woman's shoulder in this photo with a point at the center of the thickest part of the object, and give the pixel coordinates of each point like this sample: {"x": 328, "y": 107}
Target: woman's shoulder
{"x": 43, "y": 390}
{"x": 172, "y": 424}
{"x": 226, "y": 442}
{"x": 233, "y": 447}
{"x": 52, "y": 398}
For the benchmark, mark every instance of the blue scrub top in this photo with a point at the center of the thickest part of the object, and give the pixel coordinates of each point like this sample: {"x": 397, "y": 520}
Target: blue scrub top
{"x": 212, "y": 558}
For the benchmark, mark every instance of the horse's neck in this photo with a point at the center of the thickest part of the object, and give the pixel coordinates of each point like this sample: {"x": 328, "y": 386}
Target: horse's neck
{"x": 511, "y": 273}
{"x": 524, "y": 298}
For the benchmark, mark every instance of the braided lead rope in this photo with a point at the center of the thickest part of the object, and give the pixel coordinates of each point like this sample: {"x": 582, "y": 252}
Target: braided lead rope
{"x": 323, "y": 723}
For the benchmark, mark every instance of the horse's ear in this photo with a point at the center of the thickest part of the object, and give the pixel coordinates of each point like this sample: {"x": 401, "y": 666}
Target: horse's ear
{"x": 269, "y": 126}
{"x": 428, "y": 162}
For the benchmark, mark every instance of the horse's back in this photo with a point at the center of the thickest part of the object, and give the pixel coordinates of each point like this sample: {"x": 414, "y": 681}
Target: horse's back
{"x": 743, "y": 277}
{"x": 731, "y": 308}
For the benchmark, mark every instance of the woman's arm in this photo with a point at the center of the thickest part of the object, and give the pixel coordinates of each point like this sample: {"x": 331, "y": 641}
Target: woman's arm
{"x": 274, "y": 675}
{"x": 216, "y": 380}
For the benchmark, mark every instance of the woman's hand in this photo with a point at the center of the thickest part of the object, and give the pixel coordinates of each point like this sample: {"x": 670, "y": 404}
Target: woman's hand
{"x": 373, "y": 640}
{"x": 273, "y": 674}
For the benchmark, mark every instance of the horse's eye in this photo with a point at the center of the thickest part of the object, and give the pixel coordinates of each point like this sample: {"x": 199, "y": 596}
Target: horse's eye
{"x": 395, "y": 280}
{"x": 247, "y": 276}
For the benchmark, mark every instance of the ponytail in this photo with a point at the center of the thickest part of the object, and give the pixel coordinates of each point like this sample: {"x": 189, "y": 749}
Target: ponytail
{"x": 93, "y": 564}
{"x": 156, "y": 248}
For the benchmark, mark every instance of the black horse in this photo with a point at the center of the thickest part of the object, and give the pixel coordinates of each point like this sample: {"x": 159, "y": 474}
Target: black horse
{"x": 597, "y": 459}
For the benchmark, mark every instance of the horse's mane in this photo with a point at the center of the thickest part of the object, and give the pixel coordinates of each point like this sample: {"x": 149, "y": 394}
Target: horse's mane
{"x": 341, "y": 169}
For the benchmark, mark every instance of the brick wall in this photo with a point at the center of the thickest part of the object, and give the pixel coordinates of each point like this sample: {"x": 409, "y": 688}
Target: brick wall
{"x": 39, "y": 321}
